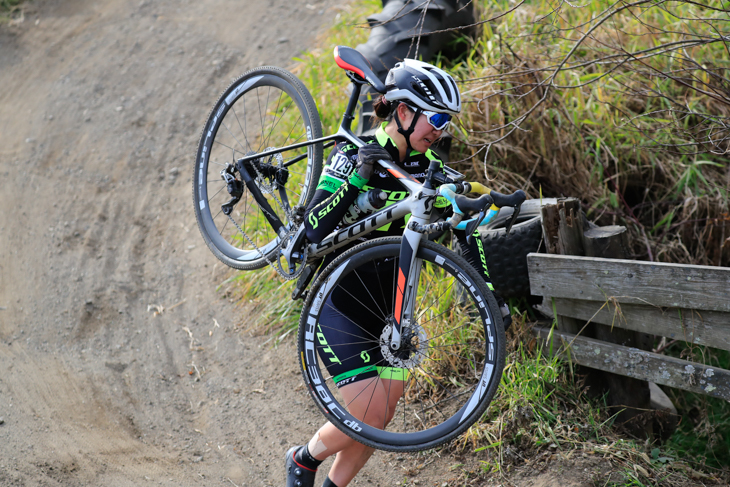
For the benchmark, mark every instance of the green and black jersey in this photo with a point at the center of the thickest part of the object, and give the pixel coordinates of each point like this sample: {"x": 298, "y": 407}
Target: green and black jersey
{"x": 340, "y": 185}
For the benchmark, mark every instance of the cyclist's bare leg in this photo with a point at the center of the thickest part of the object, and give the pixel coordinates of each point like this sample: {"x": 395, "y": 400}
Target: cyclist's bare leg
{"x": 361, "y": 396}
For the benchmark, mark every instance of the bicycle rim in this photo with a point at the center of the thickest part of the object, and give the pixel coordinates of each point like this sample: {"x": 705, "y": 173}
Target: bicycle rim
{"x": 264, "y": 109}
{"x": 450, "y": 364}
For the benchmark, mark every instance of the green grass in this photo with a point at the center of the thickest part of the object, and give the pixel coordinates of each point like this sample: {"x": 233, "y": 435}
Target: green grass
{"x": 704, "y": 429}
{"x": 538, "y": 407}
{"x": 540, "y": 412}
{"x": 8, "y": 8}
{"x": 705, "y": 421}
{"x": 269, "y": 301}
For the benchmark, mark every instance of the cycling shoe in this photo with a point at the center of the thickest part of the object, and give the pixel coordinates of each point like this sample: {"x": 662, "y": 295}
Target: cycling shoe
{"x": 298, "y": 475}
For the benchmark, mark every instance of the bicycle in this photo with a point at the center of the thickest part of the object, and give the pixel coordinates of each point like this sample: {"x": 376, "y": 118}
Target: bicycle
{"x": 442, "y": 328}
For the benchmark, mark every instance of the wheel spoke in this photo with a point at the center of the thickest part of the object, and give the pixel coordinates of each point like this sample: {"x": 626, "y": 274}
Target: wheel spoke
{"x": 245, "y": 137}
{"x": 350, "y": 320}
{"x": 442, "y": 358}
{"x": 234, "y": 138}
{"x": 272, "y": 98}
{"x": 227, "y": 147}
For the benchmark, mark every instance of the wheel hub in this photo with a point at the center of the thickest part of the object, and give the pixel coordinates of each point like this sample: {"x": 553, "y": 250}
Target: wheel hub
{"x": 413, "y": 346}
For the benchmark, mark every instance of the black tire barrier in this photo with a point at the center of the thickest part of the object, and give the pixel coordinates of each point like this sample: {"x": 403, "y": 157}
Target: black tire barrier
{"x": 507, "y": 254}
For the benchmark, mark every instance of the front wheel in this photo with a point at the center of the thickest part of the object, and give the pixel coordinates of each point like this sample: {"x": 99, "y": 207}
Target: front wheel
{"x": 451, "y": 358}
{"x": 265, "y": 109}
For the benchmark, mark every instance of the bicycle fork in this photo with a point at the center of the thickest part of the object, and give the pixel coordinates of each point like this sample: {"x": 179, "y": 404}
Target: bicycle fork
{"x": 409, "y": 271}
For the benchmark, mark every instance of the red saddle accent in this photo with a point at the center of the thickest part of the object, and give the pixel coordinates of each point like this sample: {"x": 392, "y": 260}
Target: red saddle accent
{"x": 351, "y": 60}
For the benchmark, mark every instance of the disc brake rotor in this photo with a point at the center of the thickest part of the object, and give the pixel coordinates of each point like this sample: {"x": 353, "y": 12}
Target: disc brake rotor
{"x": 412, "y": 351}
{"x": 265, "y": 187}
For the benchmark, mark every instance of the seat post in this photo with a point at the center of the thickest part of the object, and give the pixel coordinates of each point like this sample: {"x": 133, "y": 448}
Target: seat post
{"x": 349, "y": 116}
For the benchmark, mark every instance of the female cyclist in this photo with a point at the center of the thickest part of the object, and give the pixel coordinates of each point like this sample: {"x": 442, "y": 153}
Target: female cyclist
{"x": 418, "y": 105}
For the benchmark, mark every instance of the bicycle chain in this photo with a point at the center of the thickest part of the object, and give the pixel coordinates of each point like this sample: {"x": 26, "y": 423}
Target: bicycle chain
{"x": 279, "y": 270}
{"x": 269, "y": 188}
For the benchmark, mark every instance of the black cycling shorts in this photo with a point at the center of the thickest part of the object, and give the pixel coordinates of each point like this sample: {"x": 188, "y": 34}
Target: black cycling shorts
{"x": 350, "y": 325}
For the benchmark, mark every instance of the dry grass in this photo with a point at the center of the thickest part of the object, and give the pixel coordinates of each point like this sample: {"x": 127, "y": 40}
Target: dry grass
{"x": 642, "y": 141}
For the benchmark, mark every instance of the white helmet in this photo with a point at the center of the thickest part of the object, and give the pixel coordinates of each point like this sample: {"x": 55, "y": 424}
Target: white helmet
{"x": 423, "y": 86}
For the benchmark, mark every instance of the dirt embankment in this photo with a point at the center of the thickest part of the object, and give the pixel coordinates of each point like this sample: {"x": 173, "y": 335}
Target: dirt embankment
{"x": 120, "y": 364}
{"x": 107, "y": 292}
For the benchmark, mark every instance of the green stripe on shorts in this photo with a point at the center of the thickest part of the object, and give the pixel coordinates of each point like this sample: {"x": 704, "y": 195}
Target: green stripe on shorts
{"x": 347, "y": 375}
{"x": 392, "y": 373}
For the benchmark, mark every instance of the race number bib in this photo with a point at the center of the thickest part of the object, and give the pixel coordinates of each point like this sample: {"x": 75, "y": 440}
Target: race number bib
{"x": 341, "y": 166}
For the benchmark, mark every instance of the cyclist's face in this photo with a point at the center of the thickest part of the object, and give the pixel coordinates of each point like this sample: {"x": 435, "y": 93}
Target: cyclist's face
{"x": 424, "y": 134}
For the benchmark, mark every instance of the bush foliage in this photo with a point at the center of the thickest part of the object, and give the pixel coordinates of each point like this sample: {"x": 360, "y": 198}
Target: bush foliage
{"x": 624, "y": 105}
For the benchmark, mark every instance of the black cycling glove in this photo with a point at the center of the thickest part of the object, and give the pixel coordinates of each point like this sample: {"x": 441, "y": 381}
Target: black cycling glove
{"x": 366, "y": 157}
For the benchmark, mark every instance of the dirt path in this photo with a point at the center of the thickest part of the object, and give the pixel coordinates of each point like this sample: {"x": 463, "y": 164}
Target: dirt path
{"x": 120, "y": 364}
{"x": 100, "y": 109}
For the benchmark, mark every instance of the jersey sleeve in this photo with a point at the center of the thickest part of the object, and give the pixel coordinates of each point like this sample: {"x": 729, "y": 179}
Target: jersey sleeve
{"x": 338, "y": 168}
{"x": 338, "y": 188}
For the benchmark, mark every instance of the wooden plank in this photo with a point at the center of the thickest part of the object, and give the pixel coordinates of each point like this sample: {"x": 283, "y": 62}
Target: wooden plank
{"x": 709, "y": 328}
{"x": 632, "y": 362}
{"x": 630, "y": 281}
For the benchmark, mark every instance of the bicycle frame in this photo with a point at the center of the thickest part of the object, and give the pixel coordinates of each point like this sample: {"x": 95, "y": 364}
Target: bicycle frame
{"x": 419, "y": 204}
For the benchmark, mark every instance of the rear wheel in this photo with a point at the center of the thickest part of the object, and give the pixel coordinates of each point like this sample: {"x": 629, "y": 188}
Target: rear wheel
{"x": 265, "y": 109}
{"x": 451, "y": 358}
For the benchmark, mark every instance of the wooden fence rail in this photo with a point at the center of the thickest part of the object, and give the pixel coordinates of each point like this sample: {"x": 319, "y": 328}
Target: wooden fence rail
{"x": 684, "y": 302}
{"x": 631, "y": 281}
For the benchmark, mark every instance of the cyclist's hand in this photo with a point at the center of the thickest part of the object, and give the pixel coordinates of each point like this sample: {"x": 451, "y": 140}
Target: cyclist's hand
{"x": 366, "y": 157}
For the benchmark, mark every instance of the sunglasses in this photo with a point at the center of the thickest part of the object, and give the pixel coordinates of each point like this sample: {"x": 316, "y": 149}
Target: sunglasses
{"x": 439, "y": 121}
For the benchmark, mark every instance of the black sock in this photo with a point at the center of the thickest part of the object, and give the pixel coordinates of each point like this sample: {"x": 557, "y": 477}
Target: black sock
{"x": 303, "y": 457}
{"x": 328, "y": 483}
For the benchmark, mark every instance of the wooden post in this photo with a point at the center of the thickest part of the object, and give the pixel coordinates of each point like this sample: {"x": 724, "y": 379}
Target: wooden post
{"x": 609, "y": 242}
{"x": 564, "y": 233}
{"x": 562, "y": 229}
{"x": 623, "y": 392}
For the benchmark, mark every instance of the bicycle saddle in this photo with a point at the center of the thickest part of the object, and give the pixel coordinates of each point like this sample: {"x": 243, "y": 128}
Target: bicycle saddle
{"x": 351, "y": 60}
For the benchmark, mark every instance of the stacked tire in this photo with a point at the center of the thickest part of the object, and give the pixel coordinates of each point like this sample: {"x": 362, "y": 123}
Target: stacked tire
{"x": 507, "y": 254}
